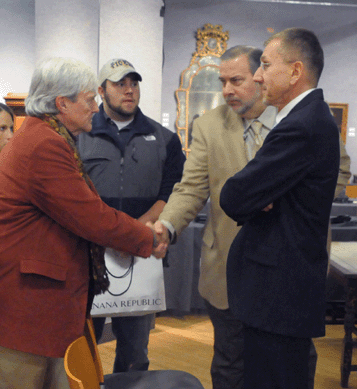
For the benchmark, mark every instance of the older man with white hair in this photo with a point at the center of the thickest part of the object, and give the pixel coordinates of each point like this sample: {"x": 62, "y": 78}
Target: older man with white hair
{"x": 53, "y": 226}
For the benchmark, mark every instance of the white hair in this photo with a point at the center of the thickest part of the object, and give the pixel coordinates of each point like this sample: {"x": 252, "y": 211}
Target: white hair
{"x": 55, "y": 77}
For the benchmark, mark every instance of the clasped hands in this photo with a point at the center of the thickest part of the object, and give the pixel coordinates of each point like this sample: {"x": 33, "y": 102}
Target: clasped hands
{"x": 161, "y": 234}
{"x": 162, "y": 238}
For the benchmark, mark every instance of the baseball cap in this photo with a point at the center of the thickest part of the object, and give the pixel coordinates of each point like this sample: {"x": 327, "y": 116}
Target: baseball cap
{"x": 116, "y": 69}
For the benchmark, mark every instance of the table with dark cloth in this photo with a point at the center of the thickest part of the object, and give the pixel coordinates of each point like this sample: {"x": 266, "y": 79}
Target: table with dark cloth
{"x": 345, "y": 231}
{"x": 181, "y": 277}
{"x": 348, "y": 208}
{"x": 343, "y": 268}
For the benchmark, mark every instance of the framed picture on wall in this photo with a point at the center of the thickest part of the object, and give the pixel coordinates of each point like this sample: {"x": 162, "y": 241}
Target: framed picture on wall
{"x": 340, "y": 113}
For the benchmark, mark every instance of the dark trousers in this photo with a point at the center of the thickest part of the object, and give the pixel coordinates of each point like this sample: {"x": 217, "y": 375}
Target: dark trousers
{"x": 132, "y": 335}
{"x": 273, "y": 361}
{"x": 312, "y": 365}
{"x": 227, "y": 363}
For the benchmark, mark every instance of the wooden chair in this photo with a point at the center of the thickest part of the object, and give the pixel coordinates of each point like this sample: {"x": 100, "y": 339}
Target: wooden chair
{"x": 84, "y": 370}
{"x": 80, "y": 367}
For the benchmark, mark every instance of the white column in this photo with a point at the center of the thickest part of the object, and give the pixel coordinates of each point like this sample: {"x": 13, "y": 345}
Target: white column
{"x": 95, "y": 31}
{"x": 17, "y": 31}
{"x": 133, "y": 30}
{"x": 67, "y": 28}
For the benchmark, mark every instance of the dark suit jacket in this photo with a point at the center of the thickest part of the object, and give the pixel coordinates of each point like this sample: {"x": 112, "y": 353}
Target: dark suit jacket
{"x": 47, "y": 216}
{"x": 277, "y": 263}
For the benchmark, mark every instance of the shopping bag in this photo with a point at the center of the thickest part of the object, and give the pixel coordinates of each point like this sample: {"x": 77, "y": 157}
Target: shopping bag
{"x": 136, "y": 286}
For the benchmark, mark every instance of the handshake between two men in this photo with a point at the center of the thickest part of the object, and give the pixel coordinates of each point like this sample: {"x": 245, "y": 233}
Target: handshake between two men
{"x": 161, "y": 239}
{"x": 162, "y": 235}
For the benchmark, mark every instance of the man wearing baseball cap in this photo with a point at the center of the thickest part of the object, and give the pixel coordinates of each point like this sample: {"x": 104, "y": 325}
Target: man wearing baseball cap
{"x": 134, "y": 163}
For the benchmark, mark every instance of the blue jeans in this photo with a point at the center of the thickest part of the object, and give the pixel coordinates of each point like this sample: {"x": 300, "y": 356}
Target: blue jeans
{"x": 132, "y": 335}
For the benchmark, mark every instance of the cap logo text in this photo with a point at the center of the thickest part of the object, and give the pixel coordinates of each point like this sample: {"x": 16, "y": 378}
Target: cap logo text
{"x": 120, "y": 62}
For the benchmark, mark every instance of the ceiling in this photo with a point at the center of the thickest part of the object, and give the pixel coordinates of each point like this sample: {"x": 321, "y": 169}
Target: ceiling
{"x": 201, "y": 3}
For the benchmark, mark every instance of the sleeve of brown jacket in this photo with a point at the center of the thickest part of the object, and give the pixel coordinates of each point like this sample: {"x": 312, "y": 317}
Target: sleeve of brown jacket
{"x": 58, "y": 189}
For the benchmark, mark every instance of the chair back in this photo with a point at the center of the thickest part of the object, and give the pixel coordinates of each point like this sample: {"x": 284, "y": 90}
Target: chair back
{"x": 84, "y": 370}
{"x": 79, "y": 366}
{"x": 89, "y": 333}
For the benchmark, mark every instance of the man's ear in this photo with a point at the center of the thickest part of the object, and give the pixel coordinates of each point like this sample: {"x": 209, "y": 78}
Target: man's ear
{"x": 61, "y": 104}
{"x": 101, "y": 92}
{"x": 298, "y": 69}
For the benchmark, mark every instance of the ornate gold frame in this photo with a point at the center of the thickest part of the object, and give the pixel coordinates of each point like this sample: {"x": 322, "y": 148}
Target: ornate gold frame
{"x": 340, "y": 113}
{"x": 211, "y": 44}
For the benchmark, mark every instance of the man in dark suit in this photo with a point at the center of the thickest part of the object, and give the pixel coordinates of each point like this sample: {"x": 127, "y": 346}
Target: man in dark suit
{"x": 277, "y": 264}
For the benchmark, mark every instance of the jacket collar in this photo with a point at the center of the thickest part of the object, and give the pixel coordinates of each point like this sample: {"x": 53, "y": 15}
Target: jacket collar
{"x": 232, "y": 119}
{"x": 289, "y": 107}
{"x": 102, "y": 124}
{"x": 316, "y": 94}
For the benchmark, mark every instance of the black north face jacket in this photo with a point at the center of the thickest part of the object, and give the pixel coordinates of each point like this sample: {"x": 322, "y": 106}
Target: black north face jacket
{"x": 133, "y": 169}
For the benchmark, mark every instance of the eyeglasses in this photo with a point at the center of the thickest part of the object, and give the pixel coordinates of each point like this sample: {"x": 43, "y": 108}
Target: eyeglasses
{"x": 264, "y": 65}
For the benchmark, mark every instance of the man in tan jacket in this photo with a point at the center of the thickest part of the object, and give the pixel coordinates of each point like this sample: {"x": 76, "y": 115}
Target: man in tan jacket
{"x": 224, "y": 140}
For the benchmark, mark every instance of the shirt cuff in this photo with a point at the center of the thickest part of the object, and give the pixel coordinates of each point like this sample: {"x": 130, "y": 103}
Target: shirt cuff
{"x": 170, "y": 227}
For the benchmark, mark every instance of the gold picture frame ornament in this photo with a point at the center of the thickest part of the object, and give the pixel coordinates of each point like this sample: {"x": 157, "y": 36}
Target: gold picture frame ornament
{"x": 200, "y": 89}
